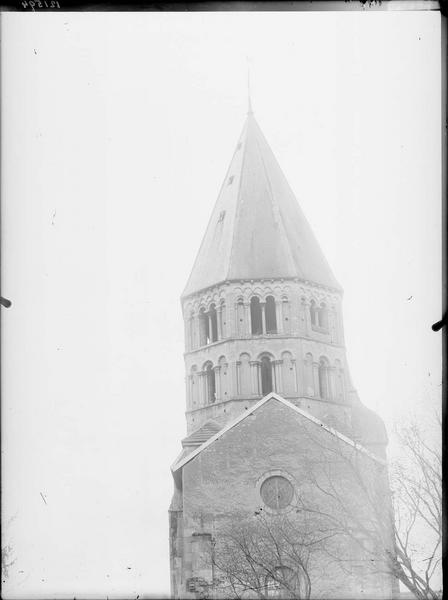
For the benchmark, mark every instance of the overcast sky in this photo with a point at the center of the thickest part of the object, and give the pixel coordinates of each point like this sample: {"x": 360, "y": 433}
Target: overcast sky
{"x": 117, "y": 133}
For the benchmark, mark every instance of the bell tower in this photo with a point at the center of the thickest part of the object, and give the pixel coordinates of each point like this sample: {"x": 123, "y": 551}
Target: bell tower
{"x": 268, "y": 386}
{"x": 262, "y": 308}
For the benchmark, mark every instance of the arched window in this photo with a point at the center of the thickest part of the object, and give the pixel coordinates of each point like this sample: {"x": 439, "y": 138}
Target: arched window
{"x": 323, "y": 316}
{"x": 313, "y": 311}
{"x": 324, "y": 384}
{"x": 266, "y": 375}
{"x": 255, "y": 316}
{"x": 210, "y": 386}
{"x": 271, "y": 317}
{"x": 213, "y": 324}
{"x": 204, "y": 334}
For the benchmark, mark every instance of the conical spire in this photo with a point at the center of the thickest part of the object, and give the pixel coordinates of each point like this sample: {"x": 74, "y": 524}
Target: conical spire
{"x": 257, "y": 229}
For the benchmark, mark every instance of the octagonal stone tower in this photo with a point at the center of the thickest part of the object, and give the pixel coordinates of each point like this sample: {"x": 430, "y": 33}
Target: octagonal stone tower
{"x": 270, "y": 403}
{"x": 262, "y": 308}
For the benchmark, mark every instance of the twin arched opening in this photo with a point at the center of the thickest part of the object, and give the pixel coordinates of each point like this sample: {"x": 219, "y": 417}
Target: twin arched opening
{"x": 208, "y": 325}
{"x": 324, "y": 380}
{"x": 263, "y": 316}
{"x": 209, "y": 385}
{"x": 319, "y": 315}
{"x": 257, "y": 316}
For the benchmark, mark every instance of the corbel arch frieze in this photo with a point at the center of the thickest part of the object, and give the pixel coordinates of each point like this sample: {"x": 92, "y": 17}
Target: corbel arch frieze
{"x": 267, "y": 291}
{"x": 254, "y": 291}
{"x": 282, "y": 291}
{"x": 207, "y": 300}
{"x": 202, "y": 303}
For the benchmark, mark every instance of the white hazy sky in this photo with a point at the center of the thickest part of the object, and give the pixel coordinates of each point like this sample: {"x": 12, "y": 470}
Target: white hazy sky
{"x": 117, "y": 132}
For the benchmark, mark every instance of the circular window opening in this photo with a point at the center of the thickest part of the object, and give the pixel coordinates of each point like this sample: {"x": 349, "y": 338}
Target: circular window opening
{"x": 277, "y": 492}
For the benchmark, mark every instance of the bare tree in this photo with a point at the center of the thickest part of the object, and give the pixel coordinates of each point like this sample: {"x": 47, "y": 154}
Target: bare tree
{"x": 338, "y": 529}
{"x": 267, "y": 556}
{"x": 386, "y": 528}
{"x": 417, "y": 485}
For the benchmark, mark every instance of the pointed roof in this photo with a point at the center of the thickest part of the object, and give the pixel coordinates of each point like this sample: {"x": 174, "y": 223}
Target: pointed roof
{"x": 257, "y": 229}
{"x": 186, "y": 456}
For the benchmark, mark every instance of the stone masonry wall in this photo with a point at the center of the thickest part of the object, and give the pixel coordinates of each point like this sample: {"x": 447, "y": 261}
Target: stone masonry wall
{"x": 224, "y": 480}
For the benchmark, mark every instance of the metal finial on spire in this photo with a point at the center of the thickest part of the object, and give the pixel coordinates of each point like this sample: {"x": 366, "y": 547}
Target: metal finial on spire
{"x": 249, "y": 102}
